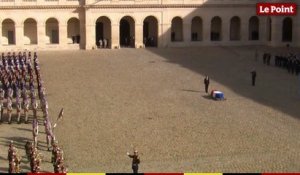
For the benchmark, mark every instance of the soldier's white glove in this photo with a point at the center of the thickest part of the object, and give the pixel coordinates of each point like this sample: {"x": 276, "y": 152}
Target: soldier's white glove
{"x": 127, "y": 153}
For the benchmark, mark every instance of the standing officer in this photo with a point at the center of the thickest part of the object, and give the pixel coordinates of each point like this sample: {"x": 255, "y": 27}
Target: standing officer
{"x": 206, "y": 83}
{"x": 253, "y": 75}
{"x": 135, "y": 161}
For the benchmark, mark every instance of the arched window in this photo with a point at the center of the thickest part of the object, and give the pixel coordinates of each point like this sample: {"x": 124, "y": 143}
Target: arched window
{"x": 216, "y": 29}
{"x": 177, "y": 29}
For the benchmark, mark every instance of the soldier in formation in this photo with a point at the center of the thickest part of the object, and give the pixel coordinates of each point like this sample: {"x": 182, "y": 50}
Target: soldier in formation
{"x": 58, "y": 159}
{"x": 17, "y": 79}
{"x": 14, "y": 159}
{"x": 289, "y": 62}
{"x": 17, "y": 82}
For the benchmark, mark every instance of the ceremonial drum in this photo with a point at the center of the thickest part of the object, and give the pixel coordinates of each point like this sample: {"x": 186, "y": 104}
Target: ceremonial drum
{"x": 217, "y": 95}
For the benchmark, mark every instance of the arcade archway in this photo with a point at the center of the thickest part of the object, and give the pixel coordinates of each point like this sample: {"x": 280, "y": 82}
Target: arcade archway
{"x": 253, "y": 28}
{"x": 235, "y": 29}
{"x": 8, "y": 32}
{"x": 73, "y": 31}
{"x": 103, "y": 32}
{"x": 52, "y": 31}
{"x": 30, "y": 31}
{"x": 287, "y": 30}
{"x": 216, "y": 29}
{"x": 177, "y": 29}
{"x": 150, "y": 31}
{"x": 127, "y": 32}
{"x": 196, "y": 29}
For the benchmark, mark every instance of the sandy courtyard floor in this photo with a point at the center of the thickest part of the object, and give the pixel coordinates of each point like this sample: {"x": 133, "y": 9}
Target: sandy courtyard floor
{"x": 154, "y": 100}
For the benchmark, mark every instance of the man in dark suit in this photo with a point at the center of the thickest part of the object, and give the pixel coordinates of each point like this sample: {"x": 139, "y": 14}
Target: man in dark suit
{"x": 206, "y": 83}
{"x": 253, "y": 75}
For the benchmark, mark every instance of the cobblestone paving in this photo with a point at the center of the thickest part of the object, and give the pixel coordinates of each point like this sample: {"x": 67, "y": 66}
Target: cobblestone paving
{"x": 154, "y": 100}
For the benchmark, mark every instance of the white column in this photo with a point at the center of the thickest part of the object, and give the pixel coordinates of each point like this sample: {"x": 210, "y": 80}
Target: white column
{"x": 187, "y": 33}
{"x": 206, "y": 30}
{"x": 19, "y": 35}
{"x": 276, "y": 31}
{"x": 90, "y": 32}
{"x": 139, "y": 36}
{"x": 244, "y": 35}
{"x": 0, "y": 35}
{"x": 90, "y": 37}
{"x": 166, "y": 35}
{"x": 159, "y": 35}
{"x": 115, "y": 36}
{"x": 263, "y": 30}
{"x": 63, "y": 37}
{"x": 225, "y": 31}
{"x": 296, "y": 29}
{"x": 41, "y": 34}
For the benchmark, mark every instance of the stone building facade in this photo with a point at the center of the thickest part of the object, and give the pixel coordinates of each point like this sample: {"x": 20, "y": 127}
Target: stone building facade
{"x": 84, "y": 24}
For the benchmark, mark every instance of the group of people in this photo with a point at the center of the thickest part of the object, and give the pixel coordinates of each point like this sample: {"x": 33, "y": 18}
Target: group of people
{"x": 149, "y": 42}
{"x": 128, "y": 41}
{"x": 33, "y": 156}
{"x": 14, "y": 159}
{"x": 58, "y": 159}
{"x": 290, "y": 62}
{"x": 20, "y": 76}
{"x": 103, "y": 43}
{"x": 18, "y": 85}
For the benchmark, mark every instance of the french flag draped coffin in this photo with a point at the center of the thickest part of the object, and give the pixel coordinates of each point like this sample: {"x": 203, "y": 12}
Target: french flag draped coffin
{"x": 217, "y": 95}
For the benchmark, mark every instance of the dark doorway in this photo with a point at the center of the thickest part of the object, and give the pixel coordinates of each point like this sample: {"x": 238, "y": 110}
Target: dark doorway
{"x": 103, "y": 32}
{"x": 11, "y": 39}
{"x": 146, "y": 29}
{"x": 99, "y": 32}
{"x": 287, "y": 30}
{"x": 150, "y": 31}
{"x": 55, "y": 39}
{"x": 125, "y": 33}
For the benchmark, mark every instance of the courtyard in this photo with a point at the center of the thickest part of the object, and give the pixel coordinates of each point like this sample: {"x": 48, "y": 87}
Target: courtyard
{"x": 154, "y": 100}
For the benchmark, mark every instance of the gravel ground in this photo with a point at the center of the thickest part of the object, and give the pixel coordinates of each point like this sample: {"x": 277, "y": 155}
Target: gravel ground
{"x": 154, "y": 100}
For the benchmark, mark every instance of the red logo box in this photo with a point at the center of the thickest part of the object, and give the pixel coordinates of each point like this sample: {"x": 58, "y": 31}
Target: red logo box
{"x": 276, "y": 9}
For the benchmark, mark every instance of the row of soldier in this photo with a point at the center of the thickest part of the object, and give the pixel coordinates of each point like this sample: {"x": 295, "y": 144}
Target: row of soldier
{"x": 290, "y": 62}
{"x": 14, "y": 159}
{"x": 16, "y": 79}
{"x": 33, "y": 156}
{"x": 58, "y": 159}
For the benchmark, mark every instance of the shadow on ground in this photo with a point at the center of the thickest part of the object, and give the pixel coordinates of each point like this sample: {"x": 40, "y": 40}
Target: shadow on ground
{"x": 231, "y": 66}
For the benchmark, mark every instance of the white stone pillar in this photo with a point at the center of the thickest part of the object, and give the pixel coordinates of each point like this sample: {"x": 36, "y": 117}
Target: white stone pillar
{"x": 115, "y": 36}
{"x": 262, "y": 34}
{"x": 0, "y": 35}
{"x": 225, "y": 31}
{"x": 19, "y": 35}
{"x": 41, "y": 34}
{"x": 139, "y": 36}
{"x": 276, "y": 31}
{"x": 90, "y": 32}
{"x": 187, "y": 33}
{"x": 244, "y": 34}
{"x": 63, "y": 36}
{"x": 166, "y": 35}
{"x": 296, "y": 29}
{"x": 90, "y": 37}
{"x": 159, "y": 35}
{"x": 206, "y": 31}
